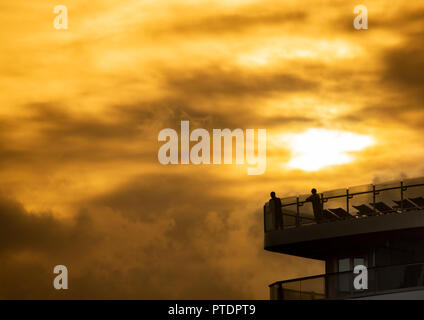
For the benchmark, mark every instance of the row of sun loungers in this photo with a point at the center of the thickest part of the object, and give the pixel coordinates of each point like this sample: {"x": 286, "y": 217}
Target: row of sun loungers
{"x": 380, "y": 208}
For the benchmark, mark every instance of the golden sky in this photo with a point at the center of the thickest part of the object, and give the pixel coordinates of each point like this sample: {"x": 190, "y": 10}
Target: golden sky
{"x": 81, "y": 109}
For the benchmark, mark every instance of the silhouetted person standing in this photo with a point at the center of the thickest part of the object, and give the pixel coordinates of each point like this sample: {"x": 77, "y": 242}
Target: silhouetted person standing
{"x": 316, "y": 205}
{"x": 275, "y": 206}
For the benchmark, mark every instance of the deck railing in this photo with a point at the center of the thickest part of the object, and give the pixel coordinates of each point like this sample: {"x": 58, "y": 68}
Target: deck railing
{"x": 351, "y": 203}
{"x": 381, "y": 280}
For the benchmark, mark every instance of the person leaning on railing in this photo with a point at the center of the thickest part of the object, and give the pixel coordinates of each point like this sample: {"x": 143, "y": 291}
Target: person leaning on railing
{"x": 275, "y": 206}
{"x": 316, "y": 205}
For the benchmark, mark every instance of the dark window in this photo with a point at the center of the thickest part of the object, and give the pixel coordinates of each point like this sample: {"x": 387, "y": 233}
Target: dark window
{"x": 344, "y": 279}
{"x": 344, "y": 265}
{"x": 358, "y": 261}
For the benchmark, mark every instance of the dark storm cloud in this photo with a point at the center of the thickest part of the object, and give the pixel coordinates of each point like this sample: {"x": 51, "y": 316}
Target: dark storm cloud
{"x": 404, "y": 68}
{"x": 195, "y": 239}
{"x": 177, "y": 197}
{"x": 202, "y": 96}
{"x": 403, "y": 79}
{"x": 193, "y": 243}
{"x": 214, "y": 80}
{"x": 40, "y": 232}
{"x": 400, "y": 81}
{"x": 242, "y": 114}
{"x": 32, "y": 243}
{"x": 213, "y": 97}
{"x": 57, "y": 136}
{"x": 238, "y": 22}
{"x": 245, "y": 18}
{"x": 135, "y": 198}
{"x": 56, "y": 122}
{"x": 402, "y": 19}
{"x": 60, "y": 138}
{"x": 397, "y": 111}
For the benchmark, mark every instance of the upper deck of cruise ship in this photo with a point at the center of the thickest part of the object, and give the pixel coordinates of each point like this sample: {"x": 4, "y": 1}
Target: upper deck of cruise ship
{"x": 349, "y": 216}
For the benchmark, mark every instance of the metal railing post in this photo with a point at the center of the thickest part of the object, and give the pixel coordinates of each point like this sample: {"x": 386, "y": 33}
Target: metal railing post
{"x": 347, "y": 201}
{"x": 401, "y": 196}
{"x": 373, "y": 199}
{"x": 297, "y": 213}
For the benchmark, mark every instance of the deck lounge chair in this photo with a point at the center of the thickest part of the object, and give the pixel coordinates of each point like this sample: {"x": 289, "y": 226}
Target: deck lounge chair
{"x": 341, "y": 213}
{"x": 364, "y": 210}
{"x": 328, "y": 216}
{"x": 419, "y": 202}
{"x": 405, "y": 205}
{"x": 383, "y": 208}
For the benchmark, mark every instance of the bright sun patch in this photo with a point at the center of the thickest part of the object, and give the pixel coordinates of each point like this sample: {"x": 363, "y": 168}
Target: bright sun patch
{"x": 318, "y": 148}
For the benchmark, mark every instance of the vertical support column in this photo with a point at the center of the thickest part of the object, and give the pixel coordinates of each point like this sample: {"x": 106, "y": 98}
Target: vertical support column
{"x": 280, "y": 292}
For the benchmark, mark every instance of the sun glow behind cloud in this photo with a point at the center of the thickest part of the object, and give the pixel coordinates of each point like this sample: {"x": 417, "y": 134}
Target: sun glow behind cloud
{"x": 315, "y": 149}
